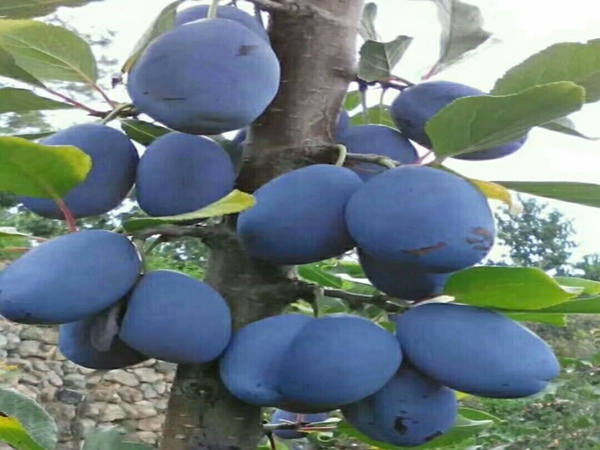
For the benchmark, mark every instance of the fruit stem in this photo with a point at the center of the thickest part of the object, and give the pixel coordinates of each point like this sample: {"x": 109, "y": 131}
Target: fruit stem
{"x": 67, "y": 214}
{"x": 115, "y": 112}
{"x": 212, "y": 9}
{"x": 72, "y": 101}
{"x": 342, "y": 152}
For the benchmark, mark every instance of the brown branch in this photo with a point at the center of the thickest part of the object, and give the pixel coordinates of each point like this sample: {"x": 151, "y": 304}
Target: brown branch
{"x": 211, "y": 235}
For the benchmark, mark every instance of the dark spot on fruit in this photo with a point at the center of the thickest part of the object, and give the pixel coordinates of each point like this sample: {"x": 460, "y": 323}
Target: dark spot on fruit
{"x": 425, "y": 250}
{"x": 403, "y": 412}
{"x": 431, "y": 437}
{"x": 399, "y": 425}
{"x": 505, "y": 385}
{"x": 424, "y": 396}
{"x": 173, "y": 99}
{"x": 481, "y": 247}
{"x": 246, "y": 49}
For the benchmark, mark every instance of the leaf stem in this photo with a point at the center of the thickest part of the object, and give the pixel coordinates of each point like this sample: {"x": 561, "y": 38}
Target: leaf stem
{"x": 104, "y": 95}
{"x": 373, "y": 159}
{"x": 72, "y": 101}
{"x": 115, "y": 112}
{"x": 343, "y": 153}
{"x": 67, "y": 214}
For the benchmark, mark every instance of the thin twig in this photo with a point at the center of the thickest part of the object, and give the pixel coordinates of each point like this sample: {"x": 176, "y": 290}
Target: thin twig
{"x": 373, "y": 159}
{"x": 72, "y": 101}
{"x": 384, "y": 302}
{"x": 210, "y": 235}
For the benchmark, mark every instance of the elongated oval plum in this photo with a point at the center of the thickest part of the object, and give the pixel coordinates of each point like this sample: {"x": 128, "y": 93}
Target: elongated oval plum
{"x": 413, "y": 108}
{"x": 75, "y": 343}
{"x": 180, "y": 173}
{"x": 174, "y": 317}
{"x": 223, "y": 12}
{"x": 337, "y": 360}
{"x": 423, "y": 216}
{"x": 402, "y": 280}
{"x": 281, "y": 416}
{"x": 249, "y": 367}
{"x": 69, "y": 278}
{"x": 476, "y": 350}
{"x": 409, "y": 410}
{"x": 206, "y": 77}
{"x": 379, "y": 140}
{"x": 114, "y": 162}
{"x": 299, "y": 216}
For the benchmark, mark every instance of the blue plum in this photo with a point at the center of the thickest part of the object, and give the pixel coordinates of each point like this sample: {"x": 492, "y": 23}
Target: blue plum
{"x": 476, "y": 350}
{"x": 402, "y": 280}
{"x": 114, "y": 162}
{"x": 180, "y": 173}
{"x": 379, "y": 140}
{"x": 337, "y": 360}
{"x": 281, "y": 416}
{"x": 250, "y": 366}
{"x": 299, "y": 216}
{"x": 413, "y": 108}
{"x": 206, "y": 77}
{"x": 69, "y": 278}
{"x": 343, "y": 125}
{"x": 75, "y": 343}
{"x": 409, "y": 410}
{"x": 223, "y": 12}
{"x": 422, "y": 216}
{"x": 174, "y": 317}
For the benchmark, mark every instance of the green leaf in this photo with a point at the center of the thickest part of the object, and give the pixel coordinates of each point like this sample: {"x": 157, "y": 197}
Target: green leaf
{"x": 314, "y": 272}
{"x": 484, "y": 121}
{"x": 589, "y": 305}
{"x": 40, "y": 426}
{"x": 234, "y": 202}
{"x": 353, "y": 100}
{"x": 25, "y": 9}
{"x": 37, "y": 170}
{"x": 165, "y": 21}
{"x": 463, "y": 430}
{"x": 13, "y": 433}
{"x": 581, "y": 193}
{"x": 590, "y": 287}
{"x": 10, "y": 69}
{"x": 109, "y": 438}
{"x": 22, "y": 100}
{"x": 378, "y": 59}
{"x": 11, "y": 232}
{"x": 521, "y": 288}
{"x": 143, "y": 132}
{"x": 565, "y": 61}
{"x": 557, "y": 320}
{"x": 462, "y": 32}
{"x": 475, "y": 414}
{"x": 566, "y": 126}
{"x": 48, "y": 52}
{"x": 379, "y": 114}
{"x": 33, "y": 136}
{"x": 366, "y": 27}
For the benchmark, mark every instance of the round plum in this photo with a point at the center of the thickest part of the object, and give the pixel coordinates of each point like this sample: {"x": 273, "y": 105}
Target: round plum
{"x": 180, "y": 173}
{"x": 299, "y": 216}
{"x": 418, "y": 215}
{"x": 413, "y": 108}
{"x": 114, "y": 162}
{"x": 206, "y": 77}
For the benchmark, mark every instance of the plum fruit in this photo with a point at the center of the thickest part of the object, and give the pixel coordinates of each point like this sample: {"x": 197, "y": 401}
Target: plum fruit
{"x": 75, "y": 343}
{"x": 206, "y": 77}
{"x": 299, "y": 216}
{"x": 475, "y": 350}
{"x": 180, "y": 173}
{"x": 281, "y": 416}
{"x": 379, "y": 140}
{"x": 402, "y": 280}
{"x": 409, "y": 410}
{"x": 69, "y": 278}
{"x": 114, "y": 162}
{"x": 422, "y": 216}
{"x": 413, "y": 108}
{"x": 223, "y": 12}
{"x": 174, "y": 317}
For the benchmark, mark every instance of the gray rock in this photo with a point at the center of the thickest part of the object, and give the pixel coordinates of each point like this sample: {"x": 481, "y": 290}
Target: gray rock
{"x": 123, "y": 377}
{"x": 28, "y": 349}
{"x": 152, "y": 424}
{"x": 147, "y": 375}
{"x": 112, "y": 412}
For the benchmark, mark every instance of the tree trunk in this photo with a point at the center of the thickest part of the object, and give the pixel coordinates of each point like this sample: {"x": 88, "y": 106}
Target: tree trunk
{"x": 315, "y": 41}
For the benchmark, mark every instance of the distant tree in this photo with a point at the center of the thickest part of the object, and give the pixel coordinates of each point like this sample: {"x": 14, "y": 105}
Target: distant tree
{"x": 590, "y": 265}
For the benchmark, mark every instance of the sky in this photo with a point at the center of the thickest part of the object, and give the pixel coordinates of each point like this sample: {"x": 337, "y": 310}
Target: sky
{"x": 522, "y": 28}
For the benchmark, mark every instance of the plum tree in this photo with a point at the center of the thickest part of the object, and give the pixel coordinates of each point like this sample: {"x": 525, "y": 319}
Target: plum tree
{"x": 223, "y": 12}
{"x": 180, "y": 173}
{"x": 282, "y": 416}
{"x": 422, "y": 216}
{"x": 207, "y": 77}
{"x": 413, "y": 108}
{"x": 380, "y": 140}
{"x": 76, "y": 344}
{"x": 313, "y": 226}
{"x": 197, "y": 330}
{"x": 476, "y": 350}
{"x": 409, "y": 410}
{"x": 69, "y": 278}
{"x": 402, "y": 280}
{"x": 114, "y": 162}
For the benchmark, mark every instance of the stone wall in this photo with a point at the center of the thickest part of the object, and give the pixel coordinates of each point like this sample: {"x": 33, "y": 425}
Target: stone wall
{"x": 79, "y": 399}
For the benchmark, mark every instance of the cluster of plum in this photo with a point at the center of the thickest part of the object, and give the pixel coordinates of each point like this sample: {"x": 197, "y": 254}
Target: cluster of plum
{"x": 412, "y": 227}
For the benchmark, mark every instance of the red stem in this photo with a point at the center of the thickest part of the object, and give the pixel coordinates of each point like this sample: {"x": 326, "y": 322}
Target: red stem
{"x": 104, "y": 95}
{"x": 73, "y": 102}
{"x": 67, "y": 213}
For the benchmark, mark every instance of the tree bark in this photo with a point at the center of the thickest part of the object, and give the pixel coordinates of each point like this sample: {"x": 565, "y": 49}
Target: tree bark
{"x": 315, "y": 41}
